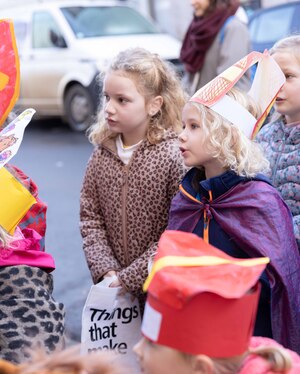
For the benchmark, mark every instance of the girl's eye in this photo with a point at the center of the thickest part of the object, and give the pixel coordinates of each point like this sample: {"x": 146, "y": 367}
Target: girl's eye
{"x": 106, "y": 97}
{"x": 122, "y": 100}
{"x": 194, "y": 126}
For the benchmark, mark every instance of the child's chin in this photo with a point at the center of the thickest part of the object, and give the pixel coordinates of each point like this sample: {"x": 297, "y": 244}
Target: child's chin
{"x": 187, "y": 164}
{"x": 277, "y": 107}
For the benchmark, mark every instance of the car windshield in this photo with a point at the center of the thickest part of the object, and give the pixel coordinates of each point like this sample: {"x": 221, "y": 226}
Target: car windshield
{"x": 93, "y": 21}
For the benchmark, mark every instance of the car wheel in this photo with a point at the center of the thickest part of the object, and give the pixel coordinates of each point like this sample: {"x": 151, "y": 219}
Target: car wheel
{"x": 79, "y": 108}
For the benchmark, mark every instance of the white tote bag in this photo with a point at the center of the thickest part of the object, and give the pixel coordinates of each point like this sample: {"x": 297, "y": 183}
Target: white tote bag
{"x": 111, "y": 320}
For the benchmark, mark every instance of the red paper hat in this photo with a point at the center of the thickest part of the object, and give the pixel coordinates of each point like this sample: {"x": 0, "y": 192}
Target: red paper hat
{"x": 200, "y": 300}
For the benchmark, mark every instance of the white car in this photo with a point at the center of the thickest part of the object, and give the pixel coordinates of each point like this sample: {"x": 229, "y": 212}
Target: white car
{"x": 64, "y": 45}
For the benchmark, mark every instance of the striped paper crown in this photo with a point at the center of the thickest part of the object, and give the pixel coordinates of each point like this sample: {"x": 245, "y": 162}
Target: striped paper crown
{"x": 267, "y": 82}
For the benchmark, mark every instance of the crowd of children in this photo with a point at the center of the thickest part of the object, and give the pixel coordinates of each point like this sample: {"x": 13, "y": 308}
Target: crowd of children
{"x": 188, "y": 184}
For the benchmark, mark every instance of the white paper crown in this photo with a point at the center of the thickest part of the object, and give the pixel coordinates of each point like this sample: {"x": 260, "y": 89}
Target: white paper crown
{"x": 267, "y": 82}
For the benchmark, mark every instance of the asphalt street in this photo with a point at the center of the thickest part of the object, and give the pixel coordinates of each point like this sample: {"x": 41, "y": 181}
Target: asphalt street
{"x": 55, "y": 158}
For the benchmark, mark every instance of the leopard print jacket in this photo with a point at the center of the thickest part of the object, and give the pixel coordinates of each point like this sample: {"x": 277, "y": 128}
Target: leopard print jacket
{"x": 29, "y": 316}
{"x": 124, "y": 208}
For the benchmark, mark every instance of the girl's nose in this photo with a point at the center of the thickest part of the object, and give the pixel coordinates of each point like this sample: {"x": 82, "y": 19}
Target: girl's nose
{"x": 182, "y": 136}
{"x": 108, "y": 107}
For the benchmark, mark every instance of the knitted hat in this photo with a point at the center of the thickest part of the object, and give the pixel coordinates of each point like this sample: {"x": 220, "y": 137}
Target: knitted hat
{"x": 267, "y": 82}
{"x": 200, "y": 300}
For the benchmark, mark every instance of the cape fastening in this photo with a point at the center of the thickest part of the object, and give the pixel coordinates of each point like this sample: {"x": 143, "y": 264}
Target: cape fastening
{"x": 267, "y": 82}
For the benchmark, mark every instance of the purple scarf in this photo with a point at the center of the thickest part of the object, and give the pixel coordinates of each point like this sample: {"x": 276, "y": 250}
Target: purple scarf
{"x": 258, "y": 220}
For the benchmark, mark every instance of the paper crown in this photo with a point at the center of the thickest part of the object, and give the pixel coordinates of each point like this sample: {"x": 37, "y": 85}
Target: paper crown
{"x": 266, "y": 84}
{"x": 200, "y": 300}
{"x": 9, "y": 69}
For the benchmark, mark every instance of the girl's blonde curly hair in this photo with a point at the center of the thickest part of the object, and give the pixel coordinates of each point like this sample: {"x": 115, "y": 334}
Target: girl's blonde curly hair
{"x": 276, "y": 357}
{"x": 152, "y": 77}
{"x": 228, "y": 144}
{"x": 290, "y": 44}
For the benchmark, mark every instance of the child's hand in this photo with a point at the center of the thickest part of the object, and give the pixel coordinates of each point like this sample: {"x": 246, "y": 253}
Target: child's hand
{"x": 113, "y": 275}
{"x": 110, "y": 273}
{"x": 115, "y": 283}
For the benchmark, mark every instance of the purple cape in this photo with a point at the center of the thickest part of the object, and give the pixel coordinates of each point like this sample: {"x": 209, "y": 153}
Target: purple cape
{"x": 254, "y": 215}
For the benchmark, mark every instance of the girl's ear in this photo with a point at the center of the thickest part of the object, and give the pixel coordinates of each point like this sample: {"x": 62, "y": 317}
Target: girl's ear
{"x": 154, "y": 105}
{"x": 202, "y": 364}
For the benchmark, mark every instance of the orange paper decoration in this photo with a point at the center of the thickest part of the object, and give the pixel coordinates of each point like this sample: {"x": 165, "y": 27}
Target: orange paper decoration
{"x": 9, "y": 69}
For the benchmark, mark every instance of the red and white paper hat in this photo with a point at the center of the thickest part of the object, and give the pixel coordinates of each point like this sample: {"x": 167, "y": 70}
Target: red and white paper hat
{"x": 266, "y": 84}
{"x": 200, "y": 300}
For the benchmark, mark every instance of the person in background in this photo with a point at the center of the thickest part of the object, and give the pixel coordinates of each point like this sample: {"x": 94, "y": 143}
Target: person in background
{"x": 200, "y": 312}
{"x": 29, "y": 314}
{"x": 226, "y": 199}
{"x": 280, "y": 139}
{"x": 135, "y": 168}
{"x": 215, "y": 39}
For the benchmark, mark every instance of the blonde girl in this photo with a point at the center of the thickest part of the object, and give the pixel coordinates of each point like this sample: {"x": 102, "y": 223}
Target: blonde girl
{"x": 225, "y": 199}
{"x": 134, "y": 170}
{"x": 280, "y": 138}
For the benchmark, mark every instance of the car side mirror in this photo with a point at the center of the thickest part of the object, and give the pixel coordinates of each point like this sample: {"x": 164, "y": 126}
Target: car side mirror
{"x": 57, "y": 40}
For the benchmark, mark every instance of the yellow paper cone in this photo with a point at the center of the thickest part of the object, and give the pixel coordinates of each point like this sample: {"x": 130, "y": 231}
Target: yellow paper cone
{"x": 15, "y": 201}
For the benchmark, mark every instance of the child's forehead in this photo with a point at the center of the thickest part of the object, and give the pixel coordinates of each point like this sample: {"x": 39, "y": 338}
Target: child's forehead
{"x": 194, "y": 110}
{"x": 191, "y": 107}
{"x": 123, "y": 77}
{"x": 287, "y": 58}
{"x": 115, "y": 80}
{"x": 132, "y": 76}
